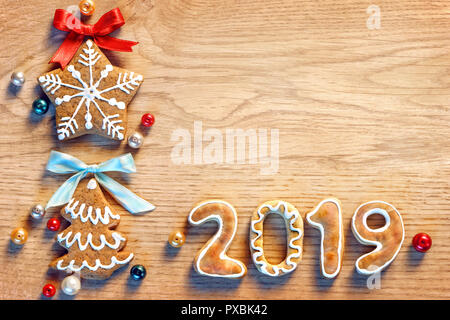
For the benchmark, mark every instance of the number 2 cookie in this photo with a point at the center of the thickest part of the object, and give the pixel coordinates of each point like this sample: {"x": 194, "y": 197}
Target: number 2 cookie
{"x": 294, "y": 224}
{"x": 387, "y": 239}
{"x": 212, "y": 259}
{"x": 327, "y": 217}
{"x": 90, "y": 95}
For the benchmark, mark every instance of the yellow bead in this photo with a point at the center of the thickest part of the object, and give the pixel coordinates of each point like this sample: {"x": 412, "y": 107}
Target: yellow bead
{"x": 176, "y": 239}
{"x": 87, "y": 7}
{"x": 19, "y": 236}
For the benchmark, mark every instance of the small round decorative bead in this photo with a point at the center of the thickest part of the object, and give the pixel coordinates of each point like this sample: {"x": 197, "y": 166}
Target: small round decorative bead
{"x": 19, "y": 236}
{"x": 53, "y": 224}
{"x": 37, "y": 212}
{"x": 422, "y": 242}
{"x": 177, "y": 239}
{"x": 49, "y": 290}
{"x": 147, "y": 120}
{"x": 71, "y": 285}
{"x": 138, "y": 272}
{"x": 135, "y": 140}
{"x": 18, "y": 78}
{"x": 40, "y": 106}
{"x": 87, "y": 7}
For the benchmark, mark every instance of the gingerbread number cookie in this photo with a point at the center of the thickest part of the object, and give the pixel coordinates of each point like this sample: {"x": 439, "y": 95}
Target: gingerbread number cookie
{"x": 294, "y": 224}
{"x": 90, "y": 95}
{"x": 212, "y": 259}
{"x": 94, "y": 250}
{"x": 387, "y": 239}
{"x": 327, "y": 217}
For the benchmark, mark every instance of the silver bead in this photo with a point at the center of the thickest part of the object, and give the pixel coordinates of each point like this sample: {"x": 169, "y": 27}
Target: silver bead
{"x": 18, "y": 78}
{"x": 71, "y": 285}
{"x": 37, "y": 212}
{"x": 135, "y": 140}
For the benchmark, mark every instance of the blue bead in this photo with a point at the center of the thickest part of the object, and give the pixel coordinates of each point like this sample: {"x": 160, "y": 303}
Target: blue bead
{"x": 138, "y": 272}
{"x": 40, "y": 106}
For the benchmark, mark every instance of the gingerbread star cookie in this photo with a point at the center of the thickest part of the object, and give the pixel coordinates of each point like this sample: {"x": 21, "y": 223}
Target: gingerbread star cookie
{"x": 90, "y": 95}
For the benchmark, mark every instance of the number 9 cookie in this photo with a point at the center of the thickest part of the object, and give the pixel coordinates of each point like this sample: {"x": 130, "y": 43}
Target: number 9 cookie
{"x": 294, "y": 224}
{"x": 387, "y": 239}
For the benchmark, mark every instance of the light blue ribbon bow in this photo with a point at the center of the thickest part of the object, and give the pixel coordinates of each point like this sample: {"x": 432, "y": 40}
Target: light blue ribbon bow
{"x": 63, "y": 163}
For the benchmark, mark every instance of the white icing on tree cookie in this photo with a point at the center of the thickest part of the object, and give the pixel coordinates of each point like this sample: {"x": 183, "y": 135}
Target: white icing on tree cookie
{"x": 92, "y": 184}
{"x": 114, "y": 261}
{"x": 90, "y": 215}
{"x": 89, "y": 242}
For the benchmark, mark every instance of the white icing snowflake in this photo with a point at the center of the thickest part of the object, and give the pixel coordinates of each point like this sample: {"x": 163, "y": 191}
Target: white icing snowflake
{"x": 90, "y": 94}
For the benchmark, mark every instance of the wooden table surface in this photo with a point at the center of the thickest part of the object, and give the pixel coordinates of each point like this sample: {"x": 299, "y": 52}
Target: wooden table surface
{"x": 361, "y": 114}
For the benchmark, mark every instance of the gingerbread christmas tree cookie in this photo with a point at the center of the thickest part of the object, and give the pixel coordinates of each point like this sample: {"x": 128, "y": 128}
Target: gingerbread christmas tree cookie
{"x": 90, "y": 94}
{"x": 94, "y": 249}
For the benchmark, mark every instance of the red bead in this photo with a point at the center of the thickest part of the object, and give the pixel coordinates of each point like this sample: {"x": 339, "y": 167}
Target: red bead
{"x": 422, "y": 242}
{"x": 53, "y": 224}
{"x": 147, "y": 120}
{"x": 49, "y": 290}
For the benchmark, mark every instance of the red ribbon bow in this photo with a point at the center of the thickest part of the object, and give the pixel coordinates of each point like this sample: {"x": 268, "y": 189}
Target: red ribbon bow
{"x": 110, "y": 21}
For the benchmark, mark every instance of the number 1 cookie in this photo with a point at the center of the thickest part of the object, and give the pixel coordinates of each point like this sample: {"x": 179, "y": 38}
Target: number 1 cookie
{"x": 212, "y": 259}
{"x": 327, "y": 217}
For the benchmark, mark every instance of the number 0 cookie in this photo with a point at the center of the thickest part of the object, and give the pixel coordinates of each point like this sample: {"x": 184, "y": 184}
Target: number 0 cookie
{"x": 294, "y": 224}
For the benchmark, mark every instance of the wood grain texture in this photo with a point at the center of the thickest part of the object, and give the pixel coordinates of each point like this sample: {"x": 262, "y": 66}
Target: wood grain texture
{"x": 362, "y": 115}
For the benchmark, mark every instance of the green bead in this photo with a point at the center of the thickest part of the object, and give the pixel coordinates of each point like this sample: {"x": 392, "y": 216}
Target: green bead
{"x": 138, "y": 272}
{"x": 40, "y": 106}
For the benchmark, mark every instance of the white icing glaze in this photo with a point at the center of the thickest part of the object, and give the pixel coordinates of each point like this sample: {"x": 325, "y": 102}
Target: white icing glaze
{"x": 77, "y": 238}
{"x": 322, "y": 232}
{"x": 222, "y": 255}
{"x": 383, "y": 212}
{"x": 114, "y": 261}
{"x": 94, "y": 218}
{"x": 92, "y": 184}
{"x": 69, "y": 123}
{"x": 378, "y": 245}
{"x": 90, "y": 93}
{"x": 290, "y": 218}
{"x": 125, "y": 84}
